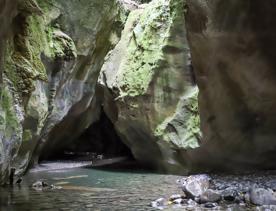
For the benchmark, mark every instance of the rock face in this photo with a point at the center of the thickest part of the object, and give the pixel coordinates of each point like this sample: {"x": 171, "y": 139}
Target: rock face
{"x": 10, "y": 131}
{"x": 233, "y": 44}
{"x": 149, "y": 91}
{"x": 50, "y": 59}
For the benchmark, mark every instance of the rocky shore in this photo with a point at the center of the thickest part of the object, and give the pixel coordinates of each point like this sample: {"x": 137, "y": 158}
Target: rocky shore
{"x": 254, "y": 191}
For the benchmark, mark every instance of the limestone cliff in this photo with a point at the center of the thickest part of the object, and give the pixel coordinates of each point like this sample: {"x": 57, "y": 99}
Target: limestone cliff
{"x": 233, "y": 47}
{"x": 149, "y": 87}
{"x": 51, "y": 58}
{"x": 51, "y": 54}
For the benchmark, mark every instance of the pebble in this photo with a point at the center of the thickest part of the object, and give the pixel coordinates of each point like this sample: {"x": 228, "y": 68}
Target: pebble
{"x": 178, "y": 201}
{"x": 191, "y": 202}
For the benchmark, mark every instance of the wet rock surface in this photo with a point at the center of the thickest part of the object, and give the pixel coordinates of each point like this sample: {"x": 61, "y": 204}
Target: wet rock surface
{"x": 195, "y": 186}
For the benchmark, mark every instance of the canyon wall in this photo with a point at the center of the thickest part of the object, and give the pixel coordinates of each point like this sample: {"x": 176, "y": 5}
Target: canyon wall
{"x": 59, "y": 73}
{"x": 149, "y": 88}
{"x": 144, "y": 64}
{"x": 51, "y": 54}
{"x": 233, "y": 45}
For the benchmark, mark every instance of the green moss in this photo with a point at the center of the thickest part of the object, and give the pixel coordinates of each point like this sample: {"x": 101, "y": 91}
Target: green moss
{"x": 23, "y": 65}
{"x": 145, "y": 49}
{"x": 27, "y": 135}
{"x": 145, "y": 55}
{"x": 193, "y": 122}
{"x": 10, "y": 124}
{"x": 61, "y": 46}
{"x": 183, "y": 128}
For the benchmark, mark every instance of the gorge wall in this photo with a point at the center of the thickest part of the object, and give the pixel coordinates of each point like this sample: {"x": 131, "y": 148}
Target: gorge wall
{"x": 50, "y": 61}
{"x": 64, "y": 62}
{"x": 233, "y": 44}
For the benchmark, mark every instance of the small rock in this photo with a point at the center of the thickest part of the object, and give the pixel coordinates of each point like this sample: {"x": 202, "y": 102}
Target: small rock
{"x": 18, "y": 182}
{"x": 261, "y": 196}
{"x": 55, "y": 187}
{"x": 191, "y": 202}
{"x": 210, "y": 205}
{"x": 44, "y": 184}
{"x": 159, "y": 203}
{"x": 210, "y": 196}
{"x": 195, "y": 185}
{"x": 178, "y": 201}
{"x": 39, "y": 184}
{"x": 247, "y": 198}
{"x": 230, "y": 195}
{"x": 100, "y": 157}
{"x": 197, "y": 199}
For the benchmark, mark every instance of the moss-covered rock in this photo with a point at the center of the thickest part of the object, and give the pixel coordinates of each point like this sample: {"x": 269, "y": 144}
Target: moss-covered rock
{"x": 10, "y": 130}
{"x": 149, "y": 78}
{"x": 51, "y": 59}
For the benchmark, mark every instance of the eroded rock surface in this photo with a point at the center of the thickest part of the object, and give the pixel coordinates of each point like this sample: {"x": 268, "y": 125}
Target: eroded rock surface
{"x": 232, "y": 45}
{"x": 51, "y": 55}
{"x": 149, "y": 90}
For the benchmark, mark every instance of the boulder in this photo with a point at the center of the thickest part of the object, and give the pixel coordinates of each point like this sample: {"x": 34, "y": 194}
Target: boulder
{"x": 210, "y": 196}
{"x": 196, "y": 185}
{"x": 261, "y": 196}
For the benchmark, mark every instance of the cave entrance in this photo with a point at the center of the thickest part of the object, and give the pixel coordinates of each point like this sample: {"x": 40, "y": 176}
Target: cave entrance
{"x": 99, "y": 142}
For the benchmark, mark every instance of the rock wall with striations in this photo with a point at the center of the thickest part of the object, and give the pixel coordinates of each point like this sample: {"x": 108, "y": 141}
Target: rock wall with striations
{"x": 233, "y": 45}
{"x": 149, "y": 90}
{"x": 51, "y": 55}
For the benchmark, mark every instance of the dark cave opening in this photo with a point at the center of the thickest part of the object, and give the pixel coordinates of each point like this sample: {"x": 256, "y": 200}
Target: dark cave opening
{"x": 98, "y": 142}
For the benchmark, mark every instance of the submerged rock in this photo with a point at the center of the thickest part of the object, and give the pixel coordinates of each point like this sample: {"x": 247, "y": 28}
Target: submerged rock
{"x": 159, "y": 203}
{"x": 40, "y": 184}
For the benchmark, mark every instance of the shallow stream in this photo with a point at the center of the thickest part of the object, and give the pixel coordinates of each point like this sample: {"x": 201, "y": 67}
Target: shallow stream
{"x": 85, "y": 188}
{"x": 122, "y": 188}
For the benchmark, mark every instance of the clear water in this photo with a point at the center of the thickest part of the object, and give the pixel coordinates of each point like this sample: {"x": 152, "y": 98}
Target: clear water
{"x": 89, "y": 189}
